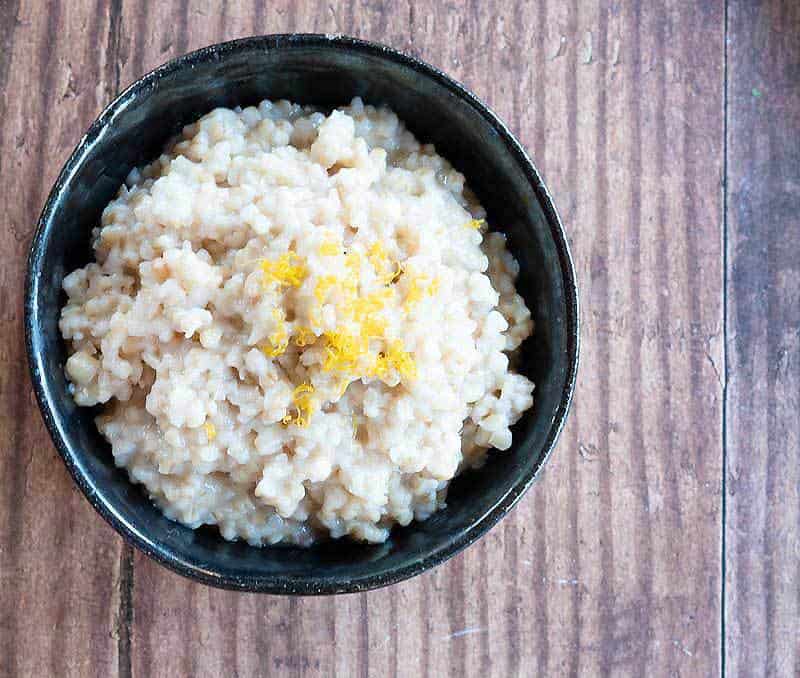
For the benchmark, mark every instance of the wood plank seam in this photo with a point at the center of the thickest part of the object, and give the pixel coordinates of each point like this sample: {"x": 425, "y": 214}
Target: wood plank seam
{"x": 723, "y": 507}
{"x": 125, "y": 593}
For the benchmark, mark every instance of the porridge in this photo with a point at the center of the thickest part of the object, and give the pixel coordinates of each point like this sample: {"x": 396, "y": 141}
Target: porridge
{"x": 299, "y": 326}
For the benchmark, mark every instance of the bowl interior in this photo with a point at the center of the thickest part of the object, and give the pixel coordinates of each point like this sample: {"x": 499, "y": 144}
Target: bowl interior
{"x": 326, "y": 73}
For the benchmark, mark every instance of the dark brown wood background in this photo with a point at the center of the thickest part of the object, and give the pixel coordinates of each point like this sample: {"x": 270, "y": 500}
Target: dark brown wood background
{"x": 663, "y": 537}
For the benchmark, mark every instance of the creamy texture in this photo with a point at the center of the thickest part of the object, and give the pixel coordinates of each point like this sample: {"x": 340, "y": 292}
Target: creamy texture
{"x": 299, "y": 325}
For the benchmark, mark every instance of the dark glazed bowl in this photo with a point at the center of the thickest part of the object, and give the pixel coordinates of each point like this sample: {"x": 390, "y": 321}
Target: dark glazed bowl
{"x": 325, "y": 71}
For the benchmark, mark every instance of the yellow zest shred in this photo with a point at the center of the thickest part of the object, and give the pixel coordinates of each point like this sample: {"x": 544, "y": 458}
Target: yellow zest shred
{"x": 279, "y": 339}
{"x": 211, "y": 431}
{"x": 304, "y": 336}
{"x": 315, "y": 316}
{"x": 366, "y": 312}
{"x": 385, "y": 271}
{"x": 288, "y": 270}
{"x": 378, "y": 257}
{"x": 349, "y": 285}
{"x": 304, "y": 406}
{"x": 324, "y": 284}
{"x": 347, "y": 347}
{"x": 416, "y": 292}
{"x": 398, "y": 271}
{"x": 360, "y": 307}
{"x": 475, "y": 223}
{"x": 343, "y": 351}
{"x": 373, "y": 326}
{"x": 401, "y": 360}
{"x": 395, "y": 357}
{"x": 352, "y": 262}
{"x": 330, "y": 248}
{"x": 377, "y": 254}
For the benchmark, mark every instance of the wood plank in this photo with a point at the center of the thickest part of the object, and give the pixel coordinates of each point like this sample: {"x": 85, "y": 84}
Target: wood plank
{"x": 59, "y": 562}
{"x": 642, "y": 199}
{"x": 588, "y": 575}
{"x": 763, "y": 397}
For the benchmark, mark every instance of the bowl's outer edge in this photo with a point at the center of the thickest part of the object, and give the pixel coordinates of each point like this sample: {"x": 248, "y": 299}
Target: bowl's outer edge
{"x": 274, "y": 585}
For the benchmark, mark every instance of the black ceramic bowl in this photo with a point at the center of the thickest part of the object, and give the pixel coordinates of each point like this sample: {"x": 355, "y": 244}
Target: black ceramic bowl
{"x": 325, "y": 71}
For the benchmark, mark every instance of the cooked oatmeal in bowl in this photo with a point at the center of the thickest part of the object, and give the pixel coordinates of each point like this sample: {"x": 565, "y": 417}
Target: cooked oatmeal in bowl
{"x": 299, "y": 326}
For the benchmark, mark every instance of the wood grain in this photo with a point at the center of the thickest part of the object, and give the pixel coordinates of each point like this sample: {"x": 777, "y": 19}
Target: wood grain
{"x": 763, "y": 425}
{"x": 611, "y": 565}
{"x": 59, "y": 564}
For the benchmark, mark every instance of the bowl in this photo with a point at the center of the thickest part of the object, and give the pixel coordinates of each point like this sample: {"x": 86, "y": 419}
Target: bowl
{"x": 325, "y": 71}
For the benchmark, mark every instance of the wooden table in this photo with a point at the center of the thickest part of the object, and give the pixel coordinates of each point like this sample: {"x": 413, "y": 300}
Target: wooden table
{"x": 663, "y": 537}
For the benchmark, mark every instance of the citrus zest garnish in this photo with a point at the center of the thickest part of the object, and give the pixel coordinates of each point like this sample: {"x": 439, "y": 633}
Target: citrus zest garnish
{"x": 288, "y": 270}
{"x": 401, "y": 360}
{"x": 398, "y": 271}
{"x": 279, "y": 339}
{"x": 416, "y": 292}
{"x": 371, "y": 303}
{"x": 347, "y": 349}
{"x": 211, "y": 431}
{"x": 475, "y": 224}
{"x": 343, "y": 351}
{"x": 397, "y": 358}
{"x": 329, "y": 248}
{"x": 304, "y": 406}
{"x": 324, "y": 284}
{"x": 304, "y": 336}
{"x": 352, "y": 262}
{"x": 373, "y": 327}
{"x": 279, "y": 342}
{"x": 378, "y": 257}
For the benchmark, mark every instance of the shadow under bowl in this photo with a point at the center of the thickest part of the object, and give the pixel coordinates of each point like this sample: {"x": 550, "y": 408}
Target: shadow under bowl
{"x": 324, "y": 71}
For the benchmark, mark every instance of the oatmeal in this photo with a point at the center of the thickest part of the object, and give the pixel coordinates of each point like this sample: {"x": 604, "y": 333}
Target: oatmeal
{"x": 299, "y": 326}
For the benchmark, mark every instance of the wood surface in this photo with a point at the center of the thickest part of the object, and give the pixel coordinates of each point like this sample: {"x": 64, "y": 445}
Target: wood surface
{"x": 678, "y": 186}
{"x": 763, "y": 340}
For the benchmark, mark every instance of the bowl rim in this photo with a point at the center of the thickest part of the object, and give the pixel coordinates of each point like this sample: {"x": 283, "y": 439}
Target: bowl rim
{"x": 279, "y": 584}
